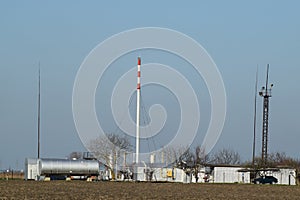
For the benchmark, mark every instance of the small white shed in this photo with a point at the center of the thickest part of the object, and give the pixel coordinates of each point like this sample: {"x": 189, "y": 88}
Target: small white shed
{"x": 162, "y": 174}
{"x": 31, "y": 169}
{"x": 230, "y": 174}
{"x": 285, "y": 176}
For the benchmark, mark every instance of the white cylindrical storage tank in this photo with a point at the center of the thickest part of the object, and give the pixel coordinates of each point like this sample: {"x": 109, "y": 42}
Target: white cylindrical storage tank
{"x": 68, "y": 167}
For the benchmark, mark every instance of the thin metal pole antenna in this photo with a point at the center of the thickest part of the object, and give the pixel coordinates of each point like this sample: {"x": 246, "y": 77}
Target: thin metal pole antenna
{"x": 254, "y": 121}
{"x": 138, "y": 94}
{"x": 39, "y": 110}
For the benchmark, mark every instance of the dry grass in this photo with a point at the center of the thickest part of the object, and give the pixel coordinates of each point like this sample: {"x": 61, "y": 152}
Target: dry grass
{"x": 130, "y": 190}
{"x": 11, "y": 175}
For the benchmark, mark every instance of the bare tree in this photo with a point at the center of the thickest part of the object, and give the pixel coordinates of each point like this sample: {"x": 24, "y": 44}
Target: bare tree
{"x": 201, "y": 156}
{"x": 200, "y": 160}
{"x": 188, "y": 159}
{"x": 226, "y": 156}
{"x": 275, "y": 159}
{"x": 109, "y": 149}
{"x": 177, "y": 154}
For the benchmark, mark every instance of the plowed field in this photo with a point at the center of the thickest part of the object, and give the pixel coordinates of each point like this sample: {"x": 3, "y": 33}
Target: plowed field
{"x": 130, "y": 190}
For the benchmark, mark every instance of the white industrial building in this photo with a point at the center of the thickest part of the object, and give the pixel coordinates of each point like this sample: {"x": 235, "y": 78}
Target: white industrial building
{"x": 285, "y": 176}
{"x": 35, "y": 168}
{"x": 31, "y": 169}
{"x": 162, "y": 174}
{"x": 213, "y": 174}
{"x": 229, "y": 174}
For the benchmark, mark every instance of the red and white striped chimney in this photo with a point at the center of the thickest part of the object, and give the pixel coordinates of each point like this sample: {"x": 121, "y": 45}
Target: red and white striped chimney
{"x": 139, "y": 74}
{"x": 138, "y": 93}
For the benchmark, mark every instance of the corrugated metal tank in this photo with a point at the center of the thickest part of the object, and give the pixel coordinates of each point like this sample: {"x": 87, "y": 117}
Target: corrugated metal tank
{"x": 68, "y": 167}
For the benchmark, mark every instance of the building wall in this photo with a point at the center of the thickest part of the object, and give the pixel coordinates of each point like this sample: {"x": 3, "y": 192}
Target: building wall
{"x": 31, "y": 169}
{"x": 285, "y": 176}
{"x": 201, "y": 177}
{"x": 230, "y": 175}
{"x": 160, "y": 174}
{"x": 180, "y": 176}
{"x": 164, "y": 174}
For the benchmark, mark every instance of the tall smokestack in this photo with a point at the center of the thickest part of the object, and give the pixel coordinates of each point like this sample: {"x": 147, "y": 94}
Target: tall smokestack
{"x": 138, "y": 93}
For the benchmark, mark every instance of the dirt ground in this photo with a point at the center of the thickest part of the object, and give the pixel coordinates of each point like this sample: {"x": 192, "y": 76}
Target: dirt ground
{"x": 129, "y": 190}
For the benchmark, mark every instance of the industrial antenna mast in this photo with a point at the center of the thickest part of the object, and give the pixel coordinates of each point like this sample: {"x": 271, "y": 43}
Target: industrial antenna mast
{"x": 266, "y": 94}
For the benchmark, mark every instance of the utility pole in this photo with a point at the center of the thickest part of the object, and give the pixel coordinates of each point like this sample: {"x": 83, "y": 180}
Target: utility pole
{"x": 39, "y": 112}
{"x": 254, "y": 121}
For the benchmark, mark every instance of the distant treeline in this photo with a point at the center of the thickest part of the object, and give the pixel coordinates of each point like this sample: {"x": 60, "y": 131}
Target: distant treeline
{"x": 11, "y": 175}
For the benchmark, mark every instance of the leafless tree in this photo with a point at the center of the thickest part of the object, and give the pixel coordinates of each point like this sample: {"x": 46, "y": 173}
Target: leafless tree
{"x": 188, "y": 159}
{"x": 226, "y": 156}
{"x": 175, "y": 155}
{"x": 201, "y": 157}
{"x": 275, "y": 159}
{"x": 110, "y": 149}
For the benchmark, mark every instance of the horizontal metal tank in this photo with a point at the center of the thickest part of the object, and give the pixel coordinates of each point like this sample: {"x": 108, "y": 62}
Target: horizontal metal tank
{"x": 68, "y": 167}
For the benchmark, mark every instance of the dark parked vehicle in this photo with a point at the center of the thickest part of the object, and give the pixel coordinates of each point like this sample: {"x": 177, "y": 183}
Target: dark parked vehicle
{"x": 265, "y": 180}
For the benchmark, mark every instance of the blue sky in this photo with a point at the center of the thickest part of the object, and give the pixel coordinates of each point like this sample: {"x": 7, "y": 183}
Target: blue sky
{"x": 239, "y": 35}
